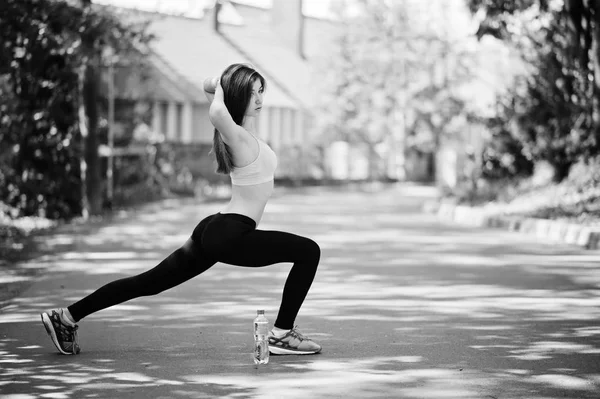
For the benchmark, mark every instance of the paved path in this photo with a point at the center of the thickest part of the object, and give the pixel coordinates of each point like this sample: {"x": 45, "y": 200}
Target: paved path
{"x": 404, "y": 306}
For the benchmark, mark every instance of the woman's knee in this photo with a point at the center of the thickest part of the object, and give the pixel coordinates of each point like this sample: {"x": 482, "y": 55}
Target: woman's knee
{"x": 311, "y": 250}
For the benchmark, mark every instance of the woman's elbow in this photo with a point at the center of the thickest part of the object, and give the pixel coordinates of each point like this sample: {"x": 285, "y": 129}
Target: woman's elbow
{"x": 215, "y": 112}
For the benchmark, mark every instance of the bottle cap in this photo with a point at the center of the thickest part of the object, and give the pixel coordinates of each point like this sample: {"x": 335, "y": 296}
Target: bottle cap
{"x": 260, "y": 311}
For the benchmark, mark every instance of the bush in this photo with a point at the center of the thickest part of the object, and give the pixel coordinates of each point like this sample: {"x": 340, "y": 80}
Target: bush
{"x": 503, "y": 157}
{"x": 40, "y": 173}
{"x": 45, "y": 44}
{"x": 554, "y": 104}
{"x": 585, "y": 174}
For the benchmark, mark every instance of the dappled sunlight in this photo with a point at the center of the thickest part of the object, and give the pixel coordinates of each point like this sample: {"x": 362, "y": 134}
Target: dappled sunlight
{"x": 76, "y": 379}
{"x": 464, "y": 260}
{"x": 13, "y": 278}
{"x": 103, "y": 256}
{"x": 352, "y": 378}
{"x": 95, "y": 268}
{"x": 587, "y": 331}
{"x": 60, "y": 239}
{"x": 15, "y": 317}
{"x": 400, "y": 303}
{"x": 565, "y": 382}
{"x": 350, "y": 237}
{"x": 124, "y": 231}
{"x": 550, "y": 347}
{"x": 360, "y": 296}
{"x": 358, "y": 378}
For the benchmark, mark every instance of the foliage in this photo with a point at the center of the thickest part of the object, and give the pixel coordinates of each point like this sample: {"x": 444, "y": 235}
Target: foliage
{"x": 45, "y": 45}
{"x": 382, "y": 83}
{"x": 576, "y": 199}
{"x": 39, "y": 114}
{"x": 585, "y": 175}
{"x": 556, "y": 107}
{"x": 365, "y": 76}
{"x": 503, "y": 156}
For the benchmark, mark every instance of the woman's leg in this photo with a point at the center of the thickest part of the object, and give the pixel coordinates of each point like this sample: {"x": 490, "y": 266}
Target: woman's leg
{"x": 183, "y": 264}
{"x": 256, "y": 248}
{"x": 180, "y": 266}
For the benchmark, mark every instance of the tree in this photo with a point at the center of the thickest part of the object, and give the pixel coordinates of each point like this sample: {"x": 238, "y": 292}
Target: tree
{"x": 88, "y": 121}
{"x": 38, "y": 109}
{"x": 379, "y": 84}
{"x": 41, "y": 63}
{"x": 504, "y": 156}
{"x": 365, "y": 78}
{"x": 557, "y": 106}
{"x": 363, "y": 82}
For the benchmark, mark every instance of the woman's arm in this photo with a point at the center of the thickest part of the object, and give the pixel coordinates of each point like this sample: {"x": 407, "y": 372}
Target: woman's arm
{"x": 221, "y": 119}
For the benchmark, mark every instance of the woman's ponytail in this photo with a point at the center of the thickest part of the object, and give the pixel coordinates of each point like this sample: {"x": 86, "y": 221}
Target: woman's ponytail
{"x": 223, "y": 154}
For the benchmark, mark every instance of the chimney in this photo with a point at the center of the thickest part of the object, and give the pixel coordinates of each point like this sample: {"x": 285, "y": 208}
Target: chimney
{"x": 288, "y": 23}
{"x": 216, "y": 11}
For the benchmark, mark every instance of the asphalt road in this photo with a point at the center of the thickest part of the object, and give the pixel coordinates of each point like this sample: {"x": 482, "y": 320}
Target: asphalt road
{"x": 404, "y": 306}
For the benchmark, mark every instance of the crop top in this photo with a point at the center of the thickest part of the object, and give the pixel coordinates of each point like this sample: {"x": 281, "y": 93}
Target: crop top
{"x": 261, "y": 170}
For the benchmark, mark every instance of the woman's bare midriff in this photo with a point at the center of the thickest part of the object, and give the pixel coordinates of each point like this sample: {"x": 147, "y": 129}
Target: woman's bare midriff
{"x": 250, "y": 200}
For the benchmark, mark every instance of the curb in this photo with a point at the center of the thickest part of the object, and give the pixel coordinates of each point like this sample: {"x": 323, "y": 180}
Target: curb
{"x": 551, "y": 231}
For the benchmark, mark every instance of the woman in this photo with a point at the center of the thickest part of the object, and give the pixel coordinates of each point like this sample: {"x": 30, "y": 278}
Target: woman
{"x": 229, "y": 236}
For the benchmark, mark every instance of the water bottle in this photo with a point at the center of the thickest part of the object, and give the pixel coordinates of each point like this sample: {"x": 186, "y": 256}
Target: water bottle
{"x": 261, "y": 338}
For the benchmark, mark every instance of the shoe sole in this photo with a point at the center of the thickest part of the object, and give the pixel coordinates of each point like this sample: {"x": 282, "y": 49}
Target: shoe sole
{"x": 50, "y": 330}
{"x": 276, "y": 350}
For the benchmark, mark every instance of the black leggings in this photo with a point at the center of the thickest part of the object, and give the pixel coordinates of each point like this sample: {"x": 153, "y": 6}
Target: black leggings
{"x": 228, "y": 238}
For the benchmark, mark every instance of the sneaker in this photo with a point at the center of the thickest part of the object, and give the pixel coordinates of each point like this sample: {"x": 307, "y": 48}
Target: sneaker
{"x": 292, "y": 343}
{"x": 63, "y": 335}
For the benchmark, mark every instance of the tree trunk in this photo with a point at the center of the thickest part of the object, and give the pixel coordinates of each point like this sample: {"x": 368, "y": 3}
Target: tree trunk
{"x": 596, "y": 61}
{"x": 90, "y": 105}
{"x": 561, "y": 171}
{"x": 91, "y": 182}
{"x": 82, "y": 142}
{"x": 373, "y": 164}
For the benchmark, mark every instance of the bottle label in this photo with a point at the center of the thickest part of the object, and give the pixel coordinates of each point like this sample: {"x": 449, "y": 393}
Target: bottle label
{"x": 261, "y": 351}
{"x": 261, "y": 328}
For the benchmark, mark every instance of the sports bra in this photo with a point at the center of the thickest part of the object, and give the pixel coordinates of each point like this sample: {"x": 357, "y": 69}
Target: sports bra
{"x": 261, "y": 170}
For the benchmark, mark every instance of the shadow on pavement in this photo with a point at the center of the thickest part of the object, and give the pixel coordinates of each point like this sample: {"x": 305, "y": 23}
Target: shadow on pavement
{"x": 404, "y": 307}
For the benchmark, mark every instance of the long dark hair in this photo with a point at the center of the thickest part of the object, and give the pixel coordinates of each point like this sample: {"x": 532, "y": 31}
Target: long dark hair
{"x": 237, "y": 81}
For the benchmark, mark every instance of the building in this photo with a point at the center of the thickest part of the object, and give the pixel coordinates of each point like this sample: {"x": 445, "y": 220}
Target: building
{"x": 287, "y": 48}
{"x": 189, "y": 49}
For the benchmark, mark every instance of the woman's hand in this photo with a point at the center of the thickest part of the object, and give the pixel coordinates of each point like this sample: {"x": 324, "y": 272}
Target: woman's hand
{"x": 210, "y": 85}
{"x": 210, "y": 88}
{"x": 219, "y": 94}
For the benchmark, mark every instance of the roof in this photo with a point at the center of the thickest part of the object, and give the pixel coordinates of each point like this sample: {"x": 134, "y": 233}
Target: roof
{"x": 272, "y": 55}
{"x": 280, "y": 64}
{"x": 186, "y": 50}
{"x": 192, "y": 49}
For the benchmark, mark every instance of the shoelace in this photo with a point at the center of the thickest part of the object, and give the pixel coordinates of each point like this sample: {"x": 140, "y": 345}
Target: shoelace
{"x": 75, "y": 339}
{"x": 69, "y": 332}
{"x": 297, "y": 334}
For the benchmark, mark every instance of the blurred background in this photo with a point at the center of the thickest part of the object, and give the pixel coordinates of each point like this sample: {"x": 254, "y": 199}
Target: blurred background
{"x": 101, "y": 102}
